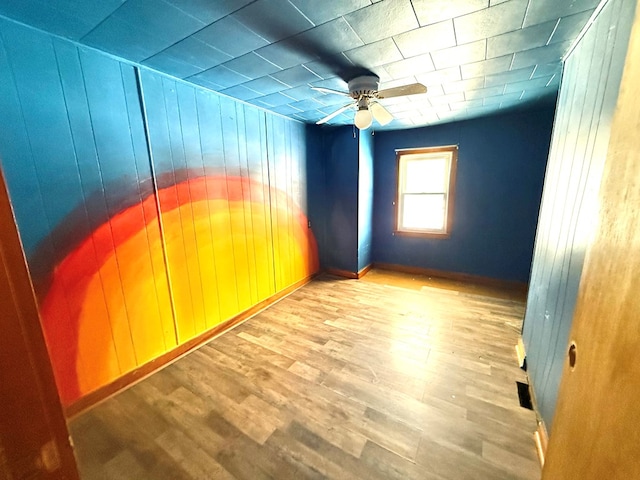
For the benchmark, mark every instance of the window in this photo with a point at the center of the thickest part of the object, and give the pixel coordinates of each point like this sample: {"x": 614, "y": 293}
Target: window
{"x": 426, "y": 178}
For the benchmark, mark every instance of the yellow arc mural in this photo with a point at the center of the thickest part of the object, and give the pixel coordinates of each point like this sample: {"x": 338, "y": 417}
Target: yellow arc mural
{"x": 142, "y": 283}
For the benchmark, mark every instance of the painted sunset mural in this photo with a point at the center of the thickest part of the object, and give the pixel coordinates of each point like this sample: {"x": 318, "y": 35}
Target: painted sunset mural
{"x": 142, "y": 283}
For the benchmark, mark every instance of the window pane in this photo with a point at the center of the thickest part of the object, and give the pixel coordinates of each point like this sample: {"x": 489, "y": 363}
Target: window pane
{"x": 426, "y": 176}
{"x": 423, "y": 212}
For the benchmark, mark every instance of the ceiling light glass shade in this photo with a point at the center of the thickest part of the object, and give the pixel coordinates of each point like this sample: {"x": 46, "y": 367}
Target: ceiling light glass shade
{"x": 363, "y": 119}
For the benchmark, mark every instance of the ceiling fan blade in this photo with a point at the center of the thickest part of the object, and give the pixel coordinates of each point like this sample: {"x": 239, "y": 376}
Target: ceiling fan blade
{"x": 380, "y": 113}
{"x": 411, "y": 89}
{"x": 334, "y": 114}
{"x": 330, "y": 90}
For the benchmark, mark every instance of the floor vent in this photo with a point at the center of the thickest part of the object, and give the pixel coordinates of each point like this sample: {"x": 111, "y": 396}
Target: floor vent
{"x": 524, "y": 395}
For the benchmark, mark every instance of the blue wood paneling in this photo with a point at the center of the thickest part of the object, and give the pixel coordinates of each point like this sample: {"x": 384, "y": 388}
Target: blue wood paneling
{"x": 317, "y": 187}
{"x": 232, "y": 193}
{"x": 586, "y": 104}
{"x": 501, "y": 162}
{"x": 341, "y": 203}
{"x": 365, "y": 198}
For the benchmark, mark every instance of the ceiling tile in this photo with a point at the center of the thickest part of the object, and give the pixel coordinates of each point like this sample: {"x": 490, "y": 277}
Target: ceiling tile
{"x": 321, "y": 12}
{"x": 334, "y": 83}
{"x": 305, "y": 105}
{"x": 434, "y": 90}
{"x": 456, "y": 87}
{"x": 227, "y": 45}
{"x": 273, "y": 19}
{"x": 286, "y": 54}
{"x": 203, "y": 82}
{"x": 241, "y": 92}
{"x": 331, "y": 100}
{"x": 540, "y": 82}
{"x": 327, "y": 67}
{"x": 510, "y": 97}
{"x": 275, "y": 100}
{"x": 432, "y": 11}
{"x": 195, "y": 52}
{"x": 554, "y": 82}
{"x": 507, "y": 77}
{"x": 231, "y": 37}
{"x": 491, "y": 21}
{"x": 542, "y": 10}
{"x": 222, "y": 76}
{"x": 426, "y": 39}
{"x": 265, "y": 85}
{"x": 295, "y": 76}
{"x": 206, "y": 10}
{"x": 392, "y": 103}
{"x": 383, "y": 20}
{"x": 484, "y": 92}
{"x": 410, "y": 66}
{"x": 380, "y": 71}
{"x": 72, "y": 19}
{"x": 547, "y": 69}
{"x": 303, "y": 92}
{"x": 251, "y": 65}
{"x": 399, "y": 82}
{"x": 125, "y": 40}
{"x": 400, "y": 107}
{"x": 374, "y": 54}
{"x": 285, "y": 110}
{"x": 524, "y": 39}
{"x": 569, "y": 27}
{"x": 467, "y": 53}
{"x": 548, "y": 54}
{"x": 539, "y": 93}
{"x": 438, "y": 77}
{"x": 478, "y": 102}
{"x": 452, "y": 98}
{"x": 329, "y": 39}
{"x": 172, "y": 66}
{"x": 486, "y": 67}
{"x": 158, "y": 17}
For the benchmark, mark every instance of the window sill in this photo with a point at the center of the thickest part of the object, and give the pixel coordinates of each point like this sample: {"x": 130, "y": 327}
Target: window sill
{"x": 410, "y": 233}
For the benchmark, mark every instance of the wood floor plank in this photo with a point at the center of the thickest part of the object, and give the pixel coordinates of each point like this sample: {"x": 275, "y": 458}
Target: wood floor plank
{"x": 342, "y": 379}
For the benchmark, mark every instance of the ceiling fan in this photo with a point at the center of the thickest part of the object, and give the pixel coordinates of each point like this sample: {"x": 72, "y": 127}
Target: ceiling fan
{"x": 365, "y": 94}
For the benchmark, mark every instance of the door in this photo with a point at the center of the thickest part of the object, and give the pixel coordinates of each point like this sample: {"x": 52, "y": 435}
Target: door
{"x": 34, "y": 441}
{"x": 596, "y": 429}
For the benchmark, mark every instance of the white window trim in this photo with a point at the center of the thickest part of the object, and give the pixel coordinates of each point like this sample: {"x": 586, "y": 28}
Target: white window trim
{"x": 448, "y": 152}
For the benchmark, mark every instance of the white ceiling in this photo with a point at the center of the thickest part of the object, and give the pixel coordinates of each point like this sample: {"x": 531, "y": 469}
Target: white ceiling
{"x": 475, "y": 56}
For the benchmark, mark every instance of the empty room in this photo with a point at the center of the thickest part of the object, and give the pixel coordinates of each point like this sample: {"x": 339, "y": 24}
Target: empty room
{"x": 319, "y": 239}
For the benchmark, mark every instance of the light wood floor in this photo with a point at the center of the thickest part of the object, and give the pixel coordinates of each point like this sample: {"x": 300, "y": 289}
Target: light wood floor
{"x": 343, "y": 379}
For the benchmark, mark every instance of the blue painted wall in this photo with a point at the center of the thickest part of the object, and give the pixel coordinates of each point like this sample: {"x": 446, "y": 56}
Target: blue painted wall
{"x": 339, "y": 161}
{"x": 317, "y": 188}
{"x": 365, "y": 198}
{"x": 501, "y": 165}
{"x": 586, "y": 104}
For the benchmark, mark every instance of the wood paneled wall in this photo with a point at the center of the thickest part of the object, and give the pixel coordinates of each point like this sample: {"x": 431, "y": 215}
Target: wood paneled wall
{"x": 588, "y": 94}
{"x": 150, "y": 210}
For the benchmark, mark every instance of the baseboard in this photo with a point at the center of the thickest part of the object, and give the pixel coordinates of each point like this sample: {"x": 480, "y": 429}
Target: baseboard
{"x": 347, "y": 273}
{"x": 365, "y": 270}
{"x": 130, "y": 378}
{"x": 541, "y": 439}
{"x": 512, "y": 285}
{"x": 341, "y": 273}
{"x": 522, "y": 356}
{"x": 540, "y": 436}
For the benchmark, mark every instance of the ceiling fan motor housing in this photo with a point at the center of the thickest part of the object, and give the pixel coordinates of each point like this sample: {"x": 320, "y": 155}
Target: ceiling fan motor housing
{"x": 363, "y": 86}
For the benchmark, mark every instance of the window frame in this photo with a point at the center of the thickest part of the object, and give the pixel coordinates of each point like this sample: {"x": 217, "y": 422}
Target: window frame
{"x": 445, "y": 232}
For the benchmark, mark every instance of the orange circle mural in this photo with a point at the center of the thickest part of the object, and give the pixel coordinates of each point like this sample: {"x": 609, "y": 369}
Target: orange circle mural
{"x": 142, "y": 283}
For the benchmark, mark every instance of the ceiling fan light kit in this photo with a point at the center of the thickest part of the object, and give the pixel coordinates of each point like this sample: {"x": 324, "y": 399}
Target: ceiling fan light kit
{"x": 364, "y": 91}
